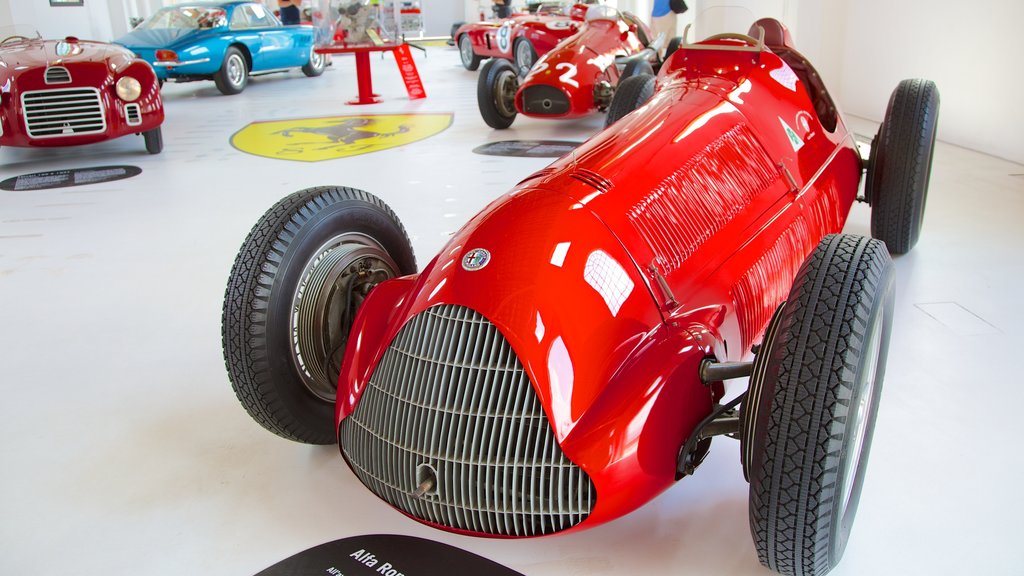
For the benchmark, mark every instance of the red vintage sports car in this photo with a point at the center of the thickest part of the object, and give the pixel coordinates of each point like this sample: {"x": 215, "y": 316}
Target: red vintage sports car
{"x": 69, "y": 92}
{"x": 521, "y": 38}
{"x": 561, "y": 361}
{"x": 578, "y": 77}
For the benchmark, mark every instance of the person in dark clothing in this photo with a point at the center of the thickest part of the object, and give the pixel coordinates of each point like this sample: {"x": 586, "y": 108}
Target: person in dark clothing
{"x": 289, "y": 11}
{"x": 502, "y": 9}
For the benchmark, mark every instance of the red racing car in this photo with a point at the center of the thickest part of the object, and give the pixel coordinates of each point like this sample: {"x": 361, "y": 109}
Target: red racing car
{"x": 521, "y": 38}
{"x": 577, "y": 78}
{"x": 561, "y": 361}
{"x": 69, "y": 92}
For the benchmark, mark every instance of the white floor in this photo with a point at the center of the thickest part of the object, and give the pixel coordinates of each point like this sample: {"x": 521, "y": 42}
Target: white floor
{"x": 125, "y": 451}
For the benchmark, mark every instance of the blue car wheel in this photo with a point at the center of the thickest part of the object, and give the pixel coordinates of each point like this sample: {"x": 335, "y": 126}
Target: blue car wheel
{"x": 233, "y": 74}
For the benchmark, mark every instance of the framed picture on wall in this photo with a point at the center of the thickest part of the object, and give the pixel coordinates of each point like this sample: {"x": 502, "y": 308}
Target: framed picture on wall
{"x": 67, "y": 2}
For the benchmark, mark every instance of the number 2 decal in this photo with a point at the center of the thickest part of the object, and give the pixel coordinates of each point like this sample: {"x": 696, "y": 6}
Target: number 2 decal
{"x": 570, "y": 73}
{"x": 568, "y": 77}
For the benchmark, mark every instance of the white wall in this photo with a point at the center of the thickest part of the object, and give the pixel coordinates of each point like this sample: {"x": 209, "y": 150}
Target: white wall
{"x": 971, "y": 51}
{"x": 89, "y": 22}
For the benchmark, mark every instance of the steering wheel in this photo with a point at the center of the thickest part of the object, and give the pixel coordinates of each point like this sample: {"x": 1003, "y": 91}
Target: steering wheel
{"x": 15, "y": 38}
{"x": 734, "y": 36}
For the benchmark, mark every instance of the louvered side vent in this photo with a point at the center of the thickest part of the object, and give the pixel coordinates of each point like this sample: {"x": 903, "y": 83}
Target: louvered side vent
{"x": 63, "y": 112}
{"x": 57, "y": 75}
{"x": 451, "y": 410}
{"x": 592, "y": 179}
{"x": 132, "y": 114}
{"x": 702, "y": 196}
{"x": 540, "y": 174}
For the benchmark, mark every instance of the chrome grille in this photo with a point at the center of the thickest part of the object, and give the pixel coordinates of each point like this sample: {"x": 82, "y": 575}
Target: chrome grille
{"x": 450, "y": 402}
{"x": 57, "y": 75}
{"x": 63, "y": 112}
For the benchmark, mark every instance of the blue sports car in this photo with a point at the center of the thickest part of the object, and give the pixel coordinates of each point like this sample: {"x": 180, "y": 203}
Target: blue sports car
{"x": 222, "y": 41}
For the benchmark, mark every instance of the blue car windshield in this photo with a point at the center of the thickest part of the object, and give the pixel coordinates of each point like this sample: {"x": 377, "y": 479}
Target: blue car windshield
{"x": 187, "y": 18}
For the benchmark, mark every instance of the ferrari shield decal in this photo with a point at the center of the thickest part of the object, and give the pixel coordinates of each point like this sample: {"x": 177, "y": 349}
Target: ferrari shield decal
{"x": 794, "y": 140}
{"x": 316, "y": 139}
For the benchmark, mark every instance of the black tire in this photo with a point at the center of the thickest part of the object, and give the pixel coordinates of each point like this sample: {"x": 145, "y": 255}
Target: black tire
{"x": 470, "y": 61}
{"x": 233, "y": 75}
{"x": 673, "y": 45}
{"x": 495, "y": 93}
{"x": 284, "y": 366}
{"x": 525, "y": 55}
{"x": 636, "y": 67}
{"x": 630, "y": 95}
{"x": 818, "y": 404}
{"x": 154, "y": 140}
{"x": 900, "y": 164}
{"x": 316, "y": 64}
{"x": 451, "y": 35}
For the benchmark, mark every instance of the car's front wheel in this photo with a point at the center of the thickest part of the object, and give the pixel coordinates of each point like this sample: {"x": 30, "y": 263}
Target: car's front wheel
{"x": 154, "y": 140}
{"x": 496, "y": 93}
{"x": 815, "y": 406}
{"x": 295, "y": 287}
{"x": 233, "y": 74}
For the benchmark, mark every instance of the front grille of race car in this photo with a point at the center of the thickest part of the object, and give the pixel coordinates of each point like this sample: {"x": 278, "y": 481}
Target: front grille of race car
{"x": 544, "y": 100}
{"x": 450, "y": 410}
{"x": 63, "y": 112}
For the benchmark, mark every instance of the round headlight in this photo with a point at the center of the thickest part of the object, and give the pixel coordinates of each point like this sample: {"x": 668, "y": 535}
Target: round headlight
{"x": 129, "y": 89}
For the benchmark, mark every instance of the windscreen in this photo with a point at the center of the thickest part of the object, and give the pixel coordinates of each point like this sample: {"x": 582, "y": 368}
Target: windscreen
{"x": 186, "y": 17}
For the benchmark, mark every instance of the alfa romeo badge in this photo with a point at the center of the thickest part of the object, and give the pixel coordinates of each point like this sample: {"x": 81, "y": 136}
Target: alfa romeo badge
{"x": 476, "y": 259}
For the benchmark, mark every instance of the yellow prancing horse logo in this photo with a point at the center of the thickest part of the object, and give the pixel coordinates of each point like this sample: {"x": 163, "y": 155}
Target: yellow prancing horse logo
{"x": 316, "y": 139}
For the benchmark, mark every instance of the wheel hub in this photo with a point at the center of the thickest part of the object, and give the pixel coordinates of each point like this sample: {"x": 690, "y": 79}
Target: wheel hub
{"x": 505, "y": 99}
{"x": 332, "y": 287}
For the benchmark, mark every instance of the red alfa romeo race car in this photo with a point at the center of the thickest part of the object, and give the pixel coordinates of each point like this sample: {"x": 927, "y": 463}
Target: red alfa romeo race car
{"x": 68, "y": 92}
{"x": 521, "y": 38}
{"x": 576, "y": 78}
{"x": 561, "y": 361}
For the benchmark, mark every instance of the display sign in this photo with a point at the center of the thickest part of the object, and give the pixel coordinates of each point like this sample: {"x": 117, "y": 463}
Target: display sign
{"x": 411, "y": 76}
{"x": 65, "y": 178}
{"x": 387, "y": 554}
{"x": 328, "y": 138}
{"x": 527, "y": 148}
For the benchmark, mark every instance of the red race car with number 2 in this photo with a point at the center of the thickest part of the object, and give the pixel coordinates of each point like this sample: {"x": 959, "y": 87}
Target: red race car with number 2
{"x": 562, "y": 360}
{"x": 575, "y": 79}
{"x": 521, "y": 38}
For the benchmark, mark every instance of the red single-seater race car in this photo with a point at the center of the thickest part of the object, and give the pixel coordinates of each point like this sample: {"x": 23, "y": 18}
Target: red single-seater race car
{"x": 521, "y": 38}
{"x": 562, "y": 360}
{"x": 578, "y": 77}
{"x": 70, "y": 92}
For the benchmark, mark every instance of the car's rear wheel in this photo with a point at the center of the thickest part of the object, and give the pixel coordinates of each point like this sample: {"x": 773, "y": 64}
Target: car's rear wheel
{"x": 233, "y": 74}
{"x": 631, "y": 93}
{"x": 496, "y": 93}
{"x": 470, "y": 61}
{"x": 294, "y": 289}
{"x": 817, "y": 405}
{"x": 315, "y": 66}
{"x": 900, "y": 164}
{"x": 154, "y": 140}
{"x": 525, "y": 55}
